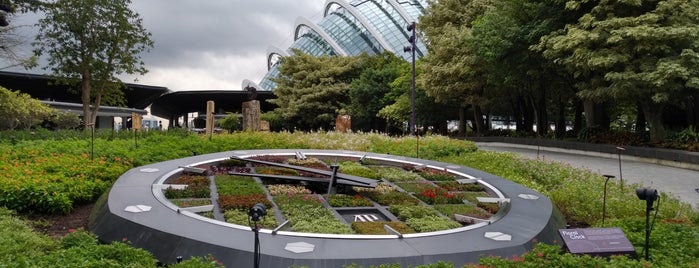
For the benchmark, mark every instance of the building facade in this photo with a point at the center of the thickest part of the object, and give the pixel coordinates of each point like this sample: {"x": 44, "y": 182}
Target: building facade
{"x": 349, "y": 29}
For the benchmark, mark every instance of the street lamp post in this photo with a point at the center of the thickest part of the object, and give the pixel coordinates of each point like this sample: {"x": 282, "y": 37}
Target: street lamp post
{"x": 413, "y": 40}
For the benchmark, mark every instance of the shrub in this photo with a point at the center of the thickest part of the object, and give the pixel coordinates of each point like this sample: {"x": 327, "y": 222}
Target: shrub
{"x": 343, "y": 200}
{"x": 241, "y": 217}
{"x": 244, "y": 202}
{"x": 463, "y": 209}
{"x": 377, "y": 227}
{"x": 394, "y": 174}
{"x": 356, "y": 169}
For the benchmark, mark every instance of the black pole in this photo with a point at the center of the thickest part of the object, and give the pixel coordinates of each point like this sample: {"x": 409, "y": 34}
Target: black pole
{"x": 646, "y": 246}
{"x": 413, "y": 127}
{"x": 333, "y": 178}
{"x": 621, "y": 177}
{"x": 604, "y": 198}
{"x": 256, "y": 261}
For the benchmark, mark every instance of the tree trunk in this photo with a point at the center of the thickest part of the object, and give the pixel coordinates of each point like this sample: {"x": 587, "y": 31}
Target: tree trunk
{"x": 478, "y": 119}
{"x": 462, "y": 120}
{"x": 640, "y": 119}
{"x": 85, "y": 88}
{"x": 541, "y": 114}
{"x": 561, "y": 119}
{"x": 577, "y": 122}
{"x": 596, "y": 115}
{"x": 528, "y": 115}
{"x": 654, "y": 116}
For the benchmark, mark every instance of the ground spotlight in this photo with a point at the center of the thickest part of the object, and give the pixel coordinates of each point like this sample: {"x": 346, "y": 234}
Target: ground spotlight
{"x": 650, "y": 195}
{"x": 255, "y": 214}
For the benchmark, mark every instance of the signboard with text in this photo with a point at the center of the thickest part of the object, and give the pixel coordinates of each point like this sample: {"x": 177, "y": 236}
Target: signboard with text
{"x": 597, "y": 241}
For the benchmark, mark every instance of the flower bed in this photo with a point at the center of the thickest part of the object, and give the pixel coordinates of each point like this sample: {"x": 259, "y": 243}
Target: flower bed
{"x": 343, "y": 200}
{"x": 197, "y": 187}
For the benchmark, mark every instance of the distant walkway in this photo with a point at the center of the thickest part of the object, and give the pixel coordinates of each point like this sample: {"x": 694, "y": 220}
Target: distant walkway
{"x": 682, "y": 183}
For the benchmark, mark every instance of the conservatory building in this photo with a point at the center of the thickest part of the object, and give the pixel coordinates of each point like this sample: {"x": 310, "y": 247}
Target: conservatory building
{"x": 349, "y": 29}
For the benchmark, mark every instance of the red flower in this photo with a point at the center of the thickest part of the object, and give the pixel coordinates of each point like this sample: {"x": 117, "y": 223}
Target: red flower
{"x": 71, "y": 230}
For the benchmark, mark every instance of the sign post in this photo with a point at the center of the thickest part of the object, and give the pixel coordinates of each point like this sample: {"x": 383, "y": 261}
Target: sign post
{"x": 601, "y": 242}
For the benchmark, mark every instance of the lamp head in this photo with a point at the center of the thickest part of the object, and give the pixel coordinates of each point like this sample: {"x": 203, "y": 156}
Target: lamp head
{"x": 257, "y": 211}
{"x": 647, "y": 194}
{"x": 410, "y": 26}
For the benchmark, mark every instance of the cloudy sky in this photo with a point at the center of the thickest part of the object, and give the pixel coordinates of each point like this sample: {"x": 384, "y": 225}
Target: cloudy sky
{"x": 211, "y": 44}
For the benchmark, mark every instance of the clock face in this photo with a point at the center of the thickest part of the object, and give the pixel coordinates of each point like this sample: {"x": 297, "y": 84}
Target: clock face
{"x": 307, "y": 206}
{"x": 341, "y": 194}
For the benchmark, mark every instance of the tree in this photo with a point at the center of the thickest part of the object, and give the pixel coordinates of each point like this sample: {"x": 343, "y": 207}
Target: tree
{"x": 312, "y": 90}
{"x": 231, "y": 122}
{"x": 19, "y": 110}
{"x": 453, "y": 70}
{"x": 632, "y": 50}
{"x": 88, "y": 44}
{"x": 370, "y": 92}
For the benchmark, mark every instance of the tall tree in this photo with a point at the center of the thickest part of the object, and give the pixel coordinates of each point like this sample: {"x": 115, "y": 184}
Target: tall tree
{"x": 632, "y": 50}
{"x": 371, "y": 91}
{"x": 88, "y": 44}
{"x": 311, "y": 91}
{"x": 453, "y": 70}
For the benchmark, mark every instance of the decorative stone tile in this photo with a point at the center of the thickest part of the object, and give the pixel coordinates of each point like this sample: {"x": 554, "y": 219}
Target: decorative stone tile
{"x": 137, "y": 208}
{"x": 498, "y": 236}
{"x": 529, "y": 196}
{"x": 300, "y": 247}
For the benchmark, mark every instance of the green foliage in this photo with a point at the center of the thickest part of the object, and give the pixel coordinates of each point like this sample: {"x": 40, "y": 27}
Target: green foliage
{"x": 404, "y": 212}
{"x": 19, "y": 110}
{"x": 311, "y": 90}
{"x": 314, "y": 219}
{"x": 462, "y": 209}
{"x": 231, "y": 122}
{"x": 241, "y": 217}
{"x": 18, "y": 243}
{"x": 431, "y": 224}
{"x": 89, "y": 43}
{"x": 576, "y": 192}
{"x": 237, "y": 185}
{"x": 435, "y": 175}
{"x": 199, "y": 262}
{"x": 64, "y": 120}
{"x": 455, "y": 186}
{"x": 415, "y": 187}
{"x": 552, "y": 256}
{"x": 377, "y": 227}
{"x": 197, "y": 187}
{"x": 78, "y": 238}
{"x": 191, "y": 202}
{"x": 391, "y": 198}
{"x": 343, "y": 200}
{"x": 394, "y": 174}
{"x": 357, "y": 169}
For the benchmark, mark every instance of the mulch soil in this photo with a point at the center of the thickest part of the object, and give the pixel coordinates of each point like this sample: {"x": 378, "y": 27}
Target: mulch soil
{"x": 60, "y": 225}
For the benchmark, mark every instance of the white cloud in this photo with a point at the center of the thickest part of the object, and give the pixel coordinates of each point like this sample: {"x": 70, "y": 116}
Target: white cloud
{"x": 212, "y": 44}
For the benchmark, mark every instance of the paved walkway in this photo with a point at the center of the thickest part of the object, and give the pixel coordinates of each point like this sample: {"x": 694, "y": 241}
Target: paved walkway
{"x": 682, "y": 183}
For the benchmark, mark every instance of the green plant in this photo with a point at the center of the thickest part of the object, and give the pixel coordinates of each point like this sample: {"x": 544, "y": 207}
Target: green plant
{"x": 415, "y": 187}
{"x": 394, "y": 174}
{"x": 240, "y": 217}
{"x": 357, "y": 169}
{"x": 343, "y": 200}
{"x": 463, "y": 209}
{"x": 377, "y": 227}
